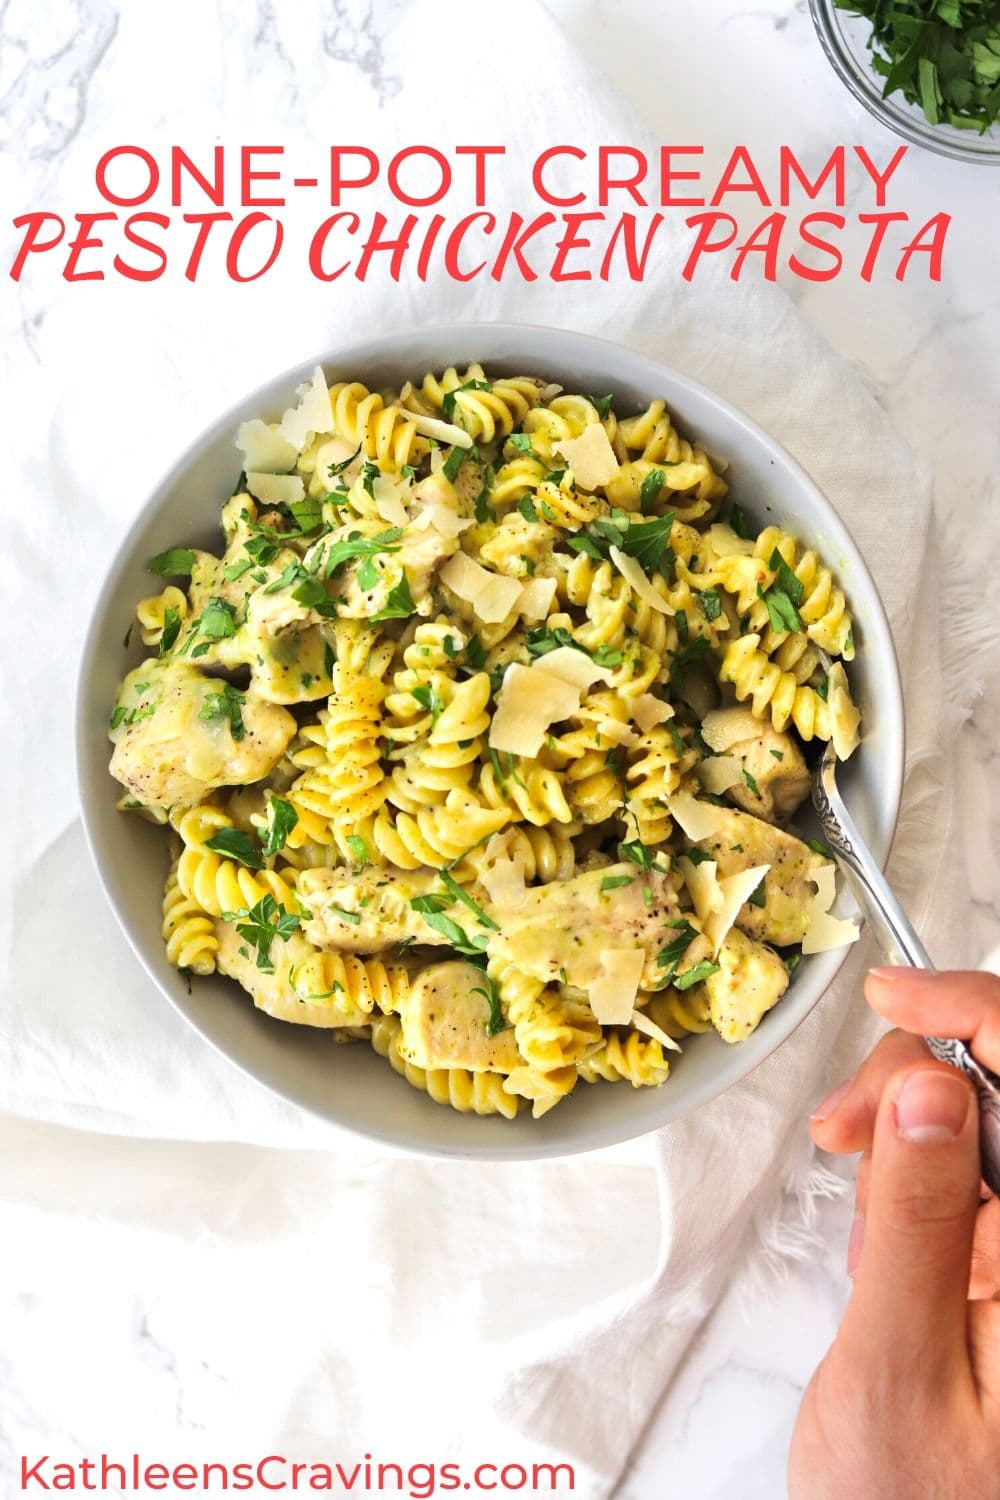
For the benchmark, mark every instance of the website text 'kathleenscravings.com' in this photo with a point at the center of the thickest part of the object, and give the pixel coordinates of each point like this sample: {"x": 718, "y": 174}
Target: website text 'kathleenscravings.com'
{"x": 277, "y": 1474}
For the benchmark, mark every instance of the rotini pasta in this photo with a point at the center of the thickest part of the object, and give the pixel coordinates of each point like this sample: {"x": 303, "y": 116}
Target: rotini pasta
{"x": 518, "y": 649}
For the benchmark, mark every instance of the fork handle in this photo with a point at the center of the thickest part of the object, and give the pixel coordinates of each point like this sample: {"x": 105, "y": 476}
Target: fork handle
{"x": 897, "y": 938}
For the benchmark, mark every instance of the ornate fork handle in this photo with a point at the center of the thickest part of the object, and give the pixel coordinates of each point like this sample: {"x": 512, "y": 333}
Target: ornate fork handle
{"x": 899, "y": 942}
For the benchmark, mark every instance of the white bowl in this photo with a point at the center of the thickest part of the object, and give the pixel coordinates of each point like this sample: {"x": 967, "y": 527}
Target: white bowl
{"x": 351, "y": 1086}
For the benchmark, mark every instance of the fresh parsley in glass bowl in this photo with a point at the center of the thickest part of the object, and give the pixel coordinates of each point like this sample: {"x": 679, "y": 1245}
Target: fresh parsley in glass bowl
{"x": 927, "y": 69}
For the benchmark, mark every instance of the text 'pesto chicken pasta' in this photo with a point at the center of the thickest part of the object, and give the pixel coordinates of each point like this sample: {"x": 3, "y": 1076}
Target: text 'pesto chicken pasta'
{"x": 481, "y": 738}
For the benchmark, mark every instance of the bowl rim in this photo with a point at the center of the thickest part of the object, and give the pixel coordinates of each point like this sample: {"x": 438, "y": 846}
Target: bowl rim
{"x": 912, "y": 127}
{"x": 386, "y": 347}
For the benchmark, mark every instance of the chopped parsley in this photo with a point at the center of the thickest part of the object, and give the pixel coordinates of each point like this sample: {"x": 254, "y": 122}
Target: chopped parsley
{"x": 261, "y": 924}
{"x": 496, "y": 1021}
{"x": 778, "y": 754}
{"x": 758, "y": 896}
{"x": 649, "y": 490}
{"x": 359, "y": 849}
{"x": 751, "y": 782}
{"x": 367, "y": 576}
{"x": 176, "y": 562}
{"x": 216, "y": 622}
{"x": 280, "y": 823}
{"x": 428, "y": 697}
{"x": 784, "y": 596}
{"x": 818, "y": 847}
{"x": 398, "y": 604}
{"x": 483, "y": 508}
{"x": 456, "y": 458}
{"x": 432, "y": 910}
{"x": 521, "y": 443}
{"x": 601, "y": 404}
{"x": 527, "y": 508}
{"x": 614, "y": 882}
{"x": 458, "y": 894}
{"x": 356, "y": 545}
{"x": 170, "y": 632}
{"x": 130, "y": 716}
{"x": 741, "y": 525}
{"x": 369, "y": 474}
{"x": 669, "y": 957}
{"x": 312, "y": 594}
{"x": 235, "y": 843}
{"x": 701, "y": 971}
{"x": 227, "y": 703}
{"x": 710, "y": 603}
{"x": 354, "y": 917}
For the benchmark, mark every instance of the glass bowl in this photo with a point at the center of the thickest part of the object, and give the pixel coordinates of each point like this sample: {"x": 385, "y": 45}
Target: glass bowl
{"x": 844, "y": 38}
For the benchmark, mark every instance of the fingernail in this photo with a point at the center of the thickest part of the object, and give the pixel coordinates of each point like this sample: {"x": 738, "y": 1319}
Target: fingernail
{"x": 824, "y": 1110}
{"x": 854, "y": 1242}
{"x": 932, "y": 1106}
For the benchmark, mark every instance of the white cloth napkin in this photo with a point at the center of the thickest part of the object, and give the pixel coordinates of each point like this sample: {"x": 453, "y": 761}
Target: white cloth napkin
{"x": 530, "y": 1310}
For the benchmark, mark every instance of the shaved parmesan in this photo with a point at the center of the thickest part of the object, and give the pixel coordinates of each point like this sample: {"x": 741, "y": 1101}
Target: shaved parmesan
{"x": 630, "y": 570}
{"x": 844, "y": 716}
{"x": 723, "y": 541}
{"x": 442, "y": 432}
{"x": 264, "y": 450}
{"x": 725, "y": 727}
{"x": 719, "y": 773}
{"x": 502, "y": 874}
{"x": 572, "y": 666}
{"x": 699, "y": 820}
{"x": 613, "y": 992}
{"x": 446, "y": 522}
{"x": 388, "y": 495}
{"x": 648, "y": 711}
{"x": 275, "y": 489}
{"x": 825, "y": 931}
{"x": 528, "y": 702}
{"x": 735, "y": 890}
{"x": 536, "y": 598}
{"x": 616, "y": 733}
{"x": 703, "y": 886}
{"x": 590, "y": 456}
{"x": 492, "y": 596}
{"x": 642, "y": 1022}
{"x": 548, "y": 392}
{"x": 313, "y": 413}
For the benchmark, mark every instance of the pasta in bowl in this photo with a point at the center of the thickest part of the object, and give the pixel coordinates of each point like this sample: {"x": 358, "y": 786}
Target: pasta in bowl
{"x": 480, "y": 737}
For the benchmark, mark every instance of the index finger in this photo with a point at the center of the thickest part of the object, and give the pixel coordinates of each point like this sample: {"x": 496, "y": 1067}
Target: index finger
{"x": 962, "y": 1004}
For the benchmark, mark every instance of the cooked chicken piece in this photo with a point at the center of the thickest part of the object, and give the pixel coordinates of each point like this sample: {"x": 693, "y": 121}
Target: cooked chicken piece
{"x": 750, "y": 980}
{"x": 746, "y": 841}
{"x": 445, "y": 1018}
{"x": 377, "y": 907}
{"x": 425, "y": 551}
{"x": 283, "y": 645}
{"x": 560, "y": 930}
{"x": 777, "y": 766}
{"x": 286, "y": 993}
{"x": 174, "y": 739}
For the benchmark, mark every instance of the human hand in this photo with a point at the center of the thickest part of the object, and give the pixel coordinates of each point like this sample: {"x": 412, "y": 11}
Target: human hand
{"x": 906, "y": 1404}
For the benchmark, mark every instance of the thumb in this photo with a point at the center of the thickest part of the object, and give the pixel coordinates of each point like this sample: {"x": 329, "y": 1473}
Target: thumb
{"x": 911, "y": 1285}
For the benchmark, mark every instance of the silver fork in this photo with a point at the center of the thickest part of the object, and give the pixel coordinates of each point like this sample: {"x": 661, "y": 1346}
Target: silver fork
{"x": 895, "y": 935}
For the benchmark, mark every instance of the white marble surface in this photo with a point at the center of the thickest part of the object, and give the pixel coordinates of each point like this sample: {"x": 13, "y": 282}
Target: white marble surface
{"x": 738, "y": 73}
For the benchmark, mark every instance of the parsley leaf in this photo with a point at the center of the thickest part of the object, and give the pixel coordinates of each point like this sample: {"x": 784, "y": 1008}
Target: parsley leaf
{"x": 521, "y": 443}
{"x": 541, "y": 640}
{"x": 788, "y": 581}
{"x": 710, "y": 603}
{"x": 649, "y": 490}
{"x": 428, "y": 697}
{"x": 601, "y": 404}
{"x": 399, "y": 603}
{"x": 226, "y": 704}
{"x": 359, "y": 849}
{"x": 818, "y": 847}
{"x": 701, "y": 971}
{"x": 282, "y": 820}
{"x": 176, "y": 562}
{"x": 741, "y": 525}
{"x": 354, "y": 917}
{"x": 235, "y": 843}
{"x": 758, "y": 896}
{"x": 261, "y": 924}
{"x": 496, "y": 1020}
{"x": 367, "y": 575}
{"x": 357, "y": 545}
{"x": 751, "y": 783}
{"x": 170, "y": 631}
{"x": 456, "y": 458}
{"x": 459, "y": 894}
{"x": 669, "y": 957}
{"x": 483, "y": 508}
{"x": 646, "y": 541}
{"x": 313, "y": 595}
{"x": 613, "y": 882}
{"x": 527, "y": 508}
